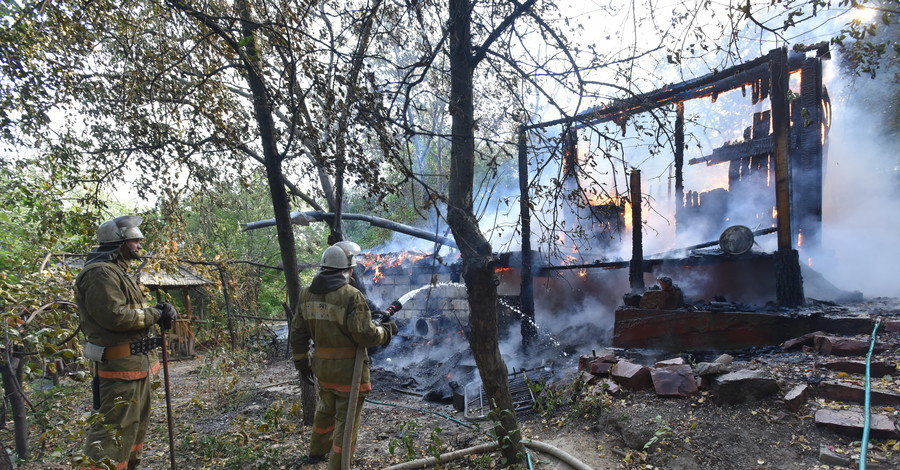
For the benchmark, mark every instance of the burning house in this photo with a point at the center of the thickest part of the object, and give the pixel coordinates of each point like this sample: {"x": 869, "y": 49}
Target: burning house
{"x": 734, "y": 206}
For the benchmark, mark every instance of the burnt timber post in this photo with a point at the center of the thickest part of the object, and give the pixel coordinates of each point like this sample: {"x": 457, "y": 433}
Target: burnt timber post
{"x": 810, "y": 122}
{"x": 526, "y": 292}
{"x": 636, "y": 267}
{"x": 679, "y": 157}
{"x": 788, "y": 281}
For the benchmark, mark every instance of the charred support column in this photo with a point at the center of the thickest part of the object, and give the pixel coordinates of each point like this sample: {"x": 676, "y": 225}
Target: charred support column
{"x": 636, "y": 267}
{"x": 526, "y": 292}
{"x": 807, "y": 166}
{"x": 788, "y": 281}
{"x": 679, "y": 160}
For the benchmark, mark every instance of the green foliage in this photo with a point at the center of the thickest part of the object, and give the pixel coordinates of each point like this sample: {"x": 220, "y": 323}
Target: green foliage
{"x": 406, "y": 442}
{"x": 663, "y": 429}
{"x": 546, "y": 399}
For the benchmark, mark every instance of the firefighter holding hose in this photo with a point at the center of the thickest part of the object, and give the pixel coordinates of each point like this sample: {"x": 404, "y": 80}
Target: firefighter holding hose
{"x": 334, "y": 317}
{"x": 117, "y": 322}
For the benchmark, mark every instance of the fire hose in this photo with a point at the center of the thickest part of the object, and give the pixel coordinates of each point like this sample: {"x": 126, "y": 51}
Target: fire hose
{"x": 482, "y": 448}
{"x": 350, "y": 422}
{"x": 868, "y": 400}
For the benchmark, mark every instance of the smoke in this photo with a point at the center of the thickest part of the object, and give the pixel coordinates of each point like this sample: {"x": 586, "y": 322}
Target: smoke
{"x": 861, "y": 215}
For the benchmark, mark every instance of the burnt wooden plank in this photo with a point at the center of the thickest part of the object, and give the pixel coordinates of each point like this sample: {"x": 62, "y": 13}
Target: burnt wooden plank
{"x": 679, "y": 330}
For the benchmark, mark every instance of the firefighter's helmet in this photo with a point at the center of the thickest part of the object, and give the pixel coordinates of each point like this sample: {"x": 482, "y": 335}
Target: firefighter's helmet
{"x": 335, "y": 257}
{"x": 121, "y": 228}
{"x": 351, "y": 248}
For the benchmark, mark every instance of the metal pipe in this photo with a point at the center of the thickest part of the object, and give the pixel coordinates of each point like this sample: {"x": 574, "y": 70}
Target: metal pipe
{"x": 305, "y": 217}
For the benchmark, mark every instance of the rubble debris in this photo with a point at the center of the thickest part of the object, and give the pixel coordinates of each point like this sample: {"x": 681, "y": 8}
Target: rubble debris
{"x": 600, "y": 368}
{"x": 851, "y": 423}
{"x": 475, "y": 399}
{"x": 891, "y": 326}
{"x": 848, "y": 324}
{"x": 845, "y": 392}
{"x": 831, "y": 458}
{"x": 828, "y": 345}
{"x": 743, "y": 385}
{"x": 725, "y": 359}
{"x": 674, "y": 381}
{"x": 876, "y": 368}
{"x": 796, "y": 397}
{"x": 631, "y": 376}
{"x": 712, "y": 368}
{"x": 677, "y": 361}
{"x": 683, "y": 330}
{"x": 800, "y": 341}
{"x": 666, "y": 296}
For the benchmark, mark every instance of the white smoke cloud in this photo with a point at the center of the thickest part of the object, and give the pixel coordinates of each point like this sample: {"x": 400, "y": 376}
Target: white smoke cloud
{"x": 862, "y": 178}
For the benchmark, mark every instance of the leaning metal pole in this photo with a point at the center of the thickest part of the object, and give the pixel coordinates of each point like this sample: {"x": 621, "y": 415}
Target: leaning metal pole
{"x": 305, "y": 217}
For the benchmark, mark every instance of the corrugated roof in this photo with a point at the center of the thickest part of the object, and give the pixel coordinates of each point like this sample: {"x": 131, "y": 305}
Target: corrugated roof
{"x": 185, "y": 277}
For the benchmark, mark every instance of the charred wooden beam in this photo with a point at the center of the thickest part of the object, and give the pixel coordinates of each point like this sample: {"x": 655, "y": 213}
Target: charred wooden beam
{"x": 788, "y": 280}
{"x": 635, "y": 273}
{"x": 526, "y": 294}
{"x": 729, "y": 152}
{"x": 679, "y": 158}
{"x": 679, "y": 330}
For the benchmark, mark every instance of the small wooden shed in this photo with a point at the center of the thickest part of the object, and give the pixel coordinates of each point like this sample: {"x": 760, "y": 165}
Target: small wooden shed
{"x": 181, "y": 278}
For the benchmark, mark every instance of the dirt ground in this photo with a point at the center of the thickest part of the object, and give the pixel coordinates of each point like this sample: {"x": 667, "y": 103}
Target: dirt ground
{"x": 628, "y": 430}
{"x": 242, "y": 411}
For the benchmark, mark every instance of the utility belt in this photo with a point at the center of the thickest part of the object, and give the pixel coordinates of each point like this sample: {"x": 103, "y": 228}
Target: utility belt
{"x": 104, "y": 353}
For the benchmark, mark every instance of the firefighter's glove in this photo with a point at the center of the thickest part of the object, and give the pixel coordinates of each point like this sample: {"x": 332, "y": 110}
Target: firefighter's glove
{"x": 306, "y": 373}
{"x": 167, "y": 316}
{"x": 390, "y": 329}
{"x": 380, "y": 317}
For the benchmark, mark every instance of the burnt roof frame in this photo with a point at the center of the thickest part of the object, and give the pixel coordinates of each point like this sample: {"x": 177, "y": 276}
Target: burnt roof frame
{"x": 711, "y": 84}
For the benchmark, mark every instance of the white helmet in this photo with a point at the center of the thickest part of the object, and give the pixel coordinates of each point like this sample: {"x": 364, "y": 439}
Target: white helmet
{"x": 351, "y": 248}
{"x": 335, "y": 257}
{"x": 121, "y": 228}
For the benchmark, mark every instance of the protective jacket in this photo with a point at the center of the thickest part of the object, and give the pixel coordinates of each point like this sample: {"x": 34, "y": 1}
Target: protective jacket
{"x": 334, "y": 316}
{"x": 114, "y": 312}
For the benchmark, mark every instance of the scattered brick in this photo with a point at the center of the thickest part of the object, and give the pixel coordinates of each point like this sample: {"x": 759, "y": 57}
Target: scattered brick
{"x": 674, "y": 381}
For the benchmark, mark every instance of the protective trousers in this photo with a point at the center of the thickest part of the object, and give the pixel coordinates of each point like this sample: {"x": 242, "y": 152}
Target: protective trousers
{"x": 329, "y": 423}
{"x": 125, "y": 407}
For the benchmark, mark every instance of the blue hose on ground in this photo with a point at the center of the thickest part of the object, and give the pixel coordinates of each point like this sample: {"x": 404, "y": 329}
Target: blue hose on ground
{"x": 868, "y": 404}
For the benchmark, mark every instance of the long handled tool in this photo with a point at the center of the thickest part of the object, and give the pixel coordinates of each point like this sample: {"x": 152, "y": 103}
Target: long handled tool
{"x": 165, "y": 361}
{"x": 350, "y": 423}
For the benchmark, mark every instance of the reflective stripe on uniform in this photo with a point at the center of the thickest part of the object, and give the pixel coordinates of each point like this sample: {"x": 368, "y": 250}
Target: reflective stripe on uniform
{"x": 127, "y": 375}
{"x": 364, "y": 387}
{"x": 141, "y": 316}
{"x": 319, "y": 430}
{"x": 335, "y": 353}
{"x": 324, "y": 312}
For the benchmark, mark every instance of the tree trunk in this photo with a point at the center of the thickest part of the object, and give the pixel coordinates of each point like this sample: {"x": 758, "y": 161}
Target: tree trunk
{"x": 13, "y": 393}
{"x": 477, "y": 256}
{"x": 262, "y": 105}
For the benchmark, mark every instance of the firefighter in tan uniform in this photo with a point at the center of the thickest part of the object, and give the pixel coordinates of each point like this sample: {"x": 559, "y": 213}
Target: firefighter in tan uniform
{"x": 116, "y": 321}
{"x": 333, "y": 315}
